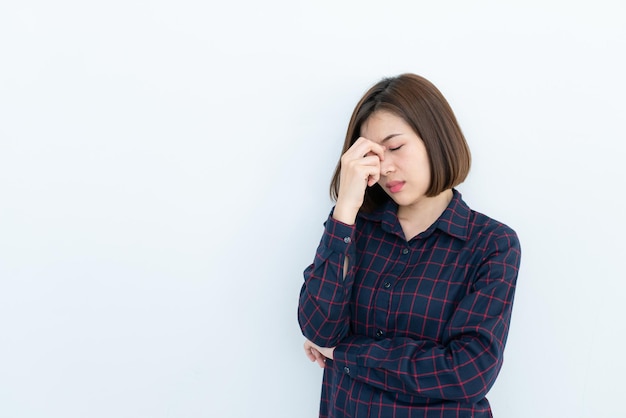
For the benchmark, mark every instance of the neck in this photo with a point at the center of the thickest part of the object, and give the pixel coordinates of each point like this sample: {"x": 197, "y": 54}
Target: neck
{"x": 418, "y": 217}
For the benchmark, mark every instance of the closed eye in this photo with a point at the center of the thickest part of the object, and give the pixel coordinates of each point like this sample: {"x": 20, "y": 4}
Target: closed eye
{"x": 395, "y": 149}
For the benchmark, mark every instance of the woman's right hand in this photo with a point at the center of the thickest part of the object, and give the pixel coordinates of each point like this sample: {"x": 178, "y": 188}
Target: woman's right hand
{"x": 360, "y": 168}
{"x": 317, "y": 353}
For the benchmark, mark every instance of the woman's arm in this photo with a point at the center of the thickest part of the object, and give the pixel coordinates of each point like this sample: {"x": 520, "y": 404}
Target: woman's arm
{"x": 324, "y": 306}
{"x": 324, "y": 309}
{"x": 466, "y": 362}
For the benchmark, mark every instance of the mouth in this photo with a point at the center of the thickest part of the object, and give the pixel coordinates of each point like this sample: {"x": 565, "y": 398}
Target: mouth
{"x": 395, "y": 186}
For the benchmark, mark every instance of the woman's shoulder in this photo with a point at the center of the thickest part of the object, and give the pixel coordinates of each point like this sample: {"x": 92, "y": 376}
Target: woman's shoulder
{"x": 487, "y": 231}
{"x": 479, "y": 226}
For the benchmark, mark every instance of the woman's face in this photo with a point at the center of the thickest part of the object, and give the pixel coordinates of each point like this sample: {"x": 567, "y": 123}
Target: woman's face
{"x": 405, "y": 170}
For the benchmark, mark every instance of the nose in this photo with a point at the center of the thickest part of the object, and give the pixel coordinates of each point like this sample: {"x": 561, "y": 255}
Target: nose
{"x": 387, "y": 166}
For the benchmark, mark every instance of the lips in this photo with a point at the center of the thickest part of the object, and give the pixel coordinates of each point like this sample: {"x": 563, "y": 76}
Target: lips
{"x": 395, "y": 186}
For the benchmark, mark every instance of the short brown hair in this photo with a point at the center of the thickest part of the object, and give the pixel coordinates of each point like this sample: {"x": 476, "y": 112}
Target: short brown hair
{"x": 423, "y": 107}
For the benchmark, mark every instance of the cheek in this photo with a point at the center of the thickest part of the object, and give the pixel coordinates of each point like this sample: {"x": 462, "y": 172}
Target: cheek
{"x": 419, "y": 167}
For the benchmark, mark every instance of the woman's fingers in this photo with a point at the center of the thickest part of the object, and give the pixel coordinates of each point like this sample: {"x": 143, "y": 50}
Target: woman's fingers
{"x": 309, "y": 353}
{"x": 313, "y": 353}
{"x": 366, "y": 168}
{"x": 363, "y": 147}
{"x": 310, "y": 350}
{"x": 319, "y": 358}
{"x": 365, "y": 155}
{"x": 360, "y": 168}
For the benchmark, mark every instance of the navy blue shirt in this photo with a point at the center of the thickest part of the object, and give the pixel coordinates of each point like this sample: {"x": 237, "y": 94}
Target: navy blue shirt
{"x": 419, "y": 326}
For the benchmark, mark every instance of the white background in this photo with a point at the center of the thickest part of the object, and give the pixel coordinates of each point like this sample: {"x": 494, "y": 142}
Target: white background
{"x": 164, "y": 169}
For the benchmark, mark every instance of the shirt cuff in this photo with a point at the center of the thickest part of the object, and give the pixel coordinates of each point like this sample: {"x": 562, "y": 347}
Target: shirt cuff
{"x": 346, "y": 355}
{"x": 337, "y": 235}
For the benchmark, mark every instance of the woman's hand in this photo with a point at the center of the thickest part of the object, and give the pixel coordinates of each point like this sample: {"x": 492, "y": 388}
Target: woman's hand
{"x": 360, "y": 168}
{"x": 317, "y": 353}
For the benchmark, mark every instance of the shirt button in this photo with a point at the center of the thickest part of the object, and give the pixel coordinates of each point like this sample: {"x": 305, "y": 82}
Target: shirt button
{"x": 347, "y": 240}
{"x": 379, "y": 333}
{"x": 346, "y": 370}
{"x": 387, "y": 285}
{"x": 405, "y": 251}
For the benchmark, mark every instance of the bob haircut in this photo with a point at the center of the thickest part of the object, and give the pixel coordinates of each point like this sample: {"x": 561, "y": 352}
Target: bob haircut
{"x": 423, "y": 107}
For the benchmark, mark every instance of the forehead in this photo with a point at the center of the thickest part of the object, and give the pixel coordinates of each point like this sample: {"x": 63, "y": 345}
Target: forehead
{"x": 382, "y": 124}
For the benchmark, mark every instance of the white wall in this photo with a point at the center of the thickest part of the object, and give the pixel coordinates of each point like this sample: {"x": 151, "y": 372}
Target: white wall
{"x": 163, "y": 182}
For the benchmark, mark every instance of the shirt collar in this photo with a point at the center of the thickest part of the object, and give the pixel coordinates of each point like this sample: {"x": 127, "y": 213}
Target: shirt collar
{"x": 453, "y": 221}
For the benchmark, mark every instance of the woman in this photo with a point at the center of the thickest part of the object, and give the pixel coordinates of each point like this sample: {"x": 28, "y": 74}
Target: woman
{"x": 408, "y": 301}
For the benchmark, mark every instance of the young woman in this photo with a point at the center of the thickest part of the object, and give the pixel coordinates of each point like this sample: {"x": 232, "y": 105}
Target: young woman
{"x": 407, "y": 303}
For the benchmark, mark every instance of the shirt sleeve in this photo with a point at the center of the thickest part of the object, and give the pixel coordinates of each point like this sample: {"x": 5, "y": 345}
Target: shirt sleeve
{"x": 324, "y": 306}
{"x": 465, "y": 364}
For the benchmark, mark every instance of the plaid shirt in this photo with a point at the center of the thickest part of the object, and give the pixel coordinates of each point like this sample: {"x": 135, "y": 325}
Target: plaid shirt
{"x": 419, "y": 326}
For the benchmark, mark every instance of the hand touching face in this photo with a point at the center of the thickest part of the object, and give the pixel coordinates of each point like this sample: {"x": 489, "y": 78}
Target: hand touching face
{"x": 360, "y": 168}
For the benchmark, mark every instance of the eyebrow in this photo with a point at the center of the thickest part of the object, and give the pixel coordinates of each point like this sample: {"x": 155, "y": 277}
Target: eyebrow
{"x": 388, "y": 137}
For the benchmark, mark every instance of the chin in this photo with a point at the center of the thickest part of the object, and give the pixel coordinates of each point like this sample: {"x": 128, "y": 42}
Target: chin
{"x": 402, "y": 201}
{"x": 408, "y": 200}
